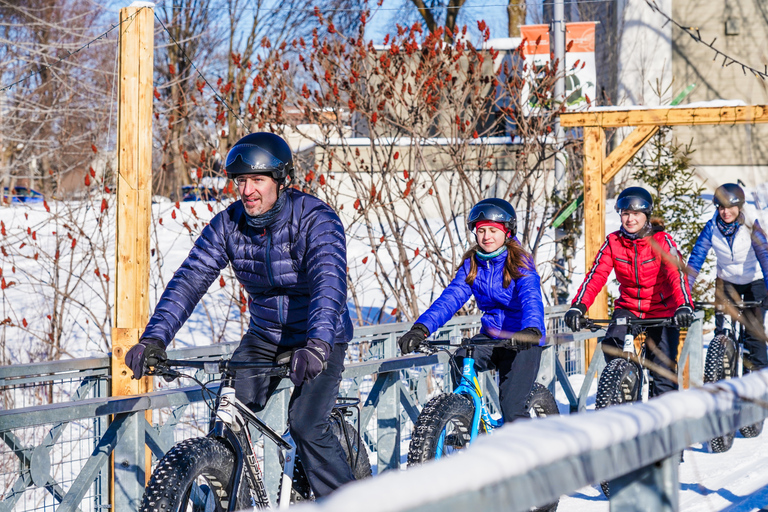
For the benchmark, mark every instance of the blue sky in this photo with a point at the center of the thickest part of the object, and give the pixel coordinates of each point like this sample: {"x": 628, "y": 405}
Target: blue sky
{"x": 494, "y": 13}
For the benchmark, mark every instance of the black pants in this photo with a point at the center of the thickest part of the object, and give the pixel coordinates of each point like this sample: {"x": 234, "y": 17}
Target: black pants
{"x": 755, "y": 354}
{"x": 308, "y": 411}
{"x": 517, "y": 374}
{"x": 661, "y": 344}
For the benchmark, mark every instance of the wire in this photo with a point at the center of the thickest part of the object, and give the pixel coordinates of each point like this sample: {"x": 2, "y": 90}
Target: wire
{"x": 377, "y": 9}
{"x": 69, "y": 54}
{"x": 696, "y": 36}
{"x": 223, "y": 102}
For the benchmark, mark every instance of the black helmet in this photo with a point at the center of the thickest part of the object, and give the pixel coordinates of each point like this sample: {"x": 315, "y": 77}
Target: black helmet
{"x": 729, "y": 194}
{"x": 495, "y": 210}
{"x": 635, "y": 199}
{"x": 260, "y": 153}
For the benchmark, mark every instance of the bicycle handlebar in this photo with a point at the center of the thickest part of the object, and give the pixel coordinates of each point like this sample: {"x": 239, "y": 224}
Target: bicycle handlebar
{"x": 213, "y": 366}
{"x": 465, "y": 342}
{"x": 597, "y": 323}
{"x": 745, "y": 304}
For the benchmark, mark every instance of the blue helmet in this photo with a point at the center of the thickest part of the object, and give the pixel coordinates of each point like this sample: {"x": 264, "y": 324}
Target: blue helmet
{"x": 260, "y": 153}
{"x": 494, "y": 210}
{"x": 729, "y": 194}
{"x": 635, "y": 199}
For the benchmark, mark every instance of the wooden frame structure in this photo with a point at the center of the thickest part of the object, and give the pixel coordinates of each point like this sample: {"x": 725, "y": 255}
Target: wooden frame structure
{"x": 599, "y": 168}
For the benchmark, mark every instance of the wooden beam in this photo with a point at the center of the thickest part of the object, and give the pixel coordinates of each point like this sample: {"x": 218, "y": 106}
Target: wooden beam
{"x": 133, "y": 197}
{"x": 626, "y": 150}
{"x": 594, "y": 217}
{"x": 675, "y": 116}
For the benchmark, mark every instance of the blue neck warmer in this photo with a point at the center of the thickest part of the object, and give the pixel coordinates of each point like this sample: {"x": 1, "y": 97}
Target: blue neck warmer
{"x": 729, "y": 230}
{"x": 266, "y": 218}
{"x": 490, "y": 255}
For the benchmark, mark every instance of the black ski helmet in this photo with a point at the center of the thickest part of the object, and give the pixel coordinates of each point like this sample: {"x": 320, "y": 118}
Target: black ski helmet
{"x": 635, "y": 199}
{"x": 729, "y": 194}
{"x": 261, "y": 153}
{"x": 494, "y": 210}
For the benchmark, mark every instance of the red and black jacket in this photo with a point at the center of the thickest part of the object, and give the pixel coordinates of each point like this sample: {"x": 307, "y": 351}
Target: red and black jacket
{"x": 651, "y": 284}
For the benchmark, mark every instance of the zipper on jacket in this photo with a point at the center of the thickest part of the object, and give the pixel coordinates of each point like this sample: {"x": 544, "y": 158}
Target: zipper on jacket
{"x": 648, "y": 261}
{"x": 623, "y": 261}
{"x": 280, "y": 298}
{"x": 637, "y": 280}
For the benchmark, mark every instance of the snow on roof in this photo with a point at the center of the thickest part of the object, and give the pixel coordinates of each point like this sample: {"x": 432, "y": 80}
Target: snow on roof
{"x": 432, "y": 141}
{"x": 698, "y": 104}
{"x": 503, "y": 43}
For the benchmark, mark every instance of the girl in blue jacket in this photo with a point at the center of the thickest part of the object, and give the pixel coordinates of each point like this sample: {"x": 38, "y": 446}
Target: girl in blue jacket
{"x": 503, "y": 279}
{"x": 742, "y": 266}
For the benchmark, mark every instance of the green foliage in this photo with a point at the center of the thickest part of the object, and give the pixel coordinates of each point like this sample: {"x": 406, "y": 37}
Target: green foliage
{"x": 664, "y": 168}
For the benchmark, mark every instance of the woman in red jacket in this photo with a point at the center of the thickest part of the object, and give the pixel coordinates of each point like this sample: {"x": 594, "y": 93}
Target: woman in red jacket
{"x": 651, "y": 284}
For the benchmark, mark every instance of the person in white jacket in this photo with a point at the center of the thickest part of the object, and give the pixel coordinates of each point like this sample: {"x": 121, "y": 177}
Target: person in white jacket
{"x": 741, "y": 250}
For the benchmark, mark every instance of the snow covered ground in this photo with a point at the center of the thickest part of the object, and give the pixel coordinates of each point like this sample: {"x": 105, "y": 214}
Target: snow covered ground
{"x": 736, "y": 481}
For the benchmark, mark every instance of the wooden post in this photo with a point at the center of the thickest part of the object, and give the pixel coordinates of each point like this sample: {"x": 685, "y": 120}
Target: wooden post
{"x": 133, "y": 195}
{"x": 594, "y": 217}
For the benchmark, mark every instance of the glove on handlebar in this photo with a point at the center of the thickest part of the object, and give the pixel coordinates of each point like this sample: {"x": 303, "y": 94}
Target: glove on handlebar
{"x": 526, "y": 338}
{"x": 684, "y": 316}
{"x": 411, "y": 340}
{"x": 574, "y": 317}
{"x": 309, "y": 361}
{"x": 147, "y": 352}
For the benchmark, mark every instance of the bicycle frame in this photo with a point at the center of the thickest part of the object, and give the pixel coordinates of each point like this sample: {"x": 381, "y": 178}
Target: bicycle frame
{"x": 470, "y": 387}
{"x": 230, "y": 417}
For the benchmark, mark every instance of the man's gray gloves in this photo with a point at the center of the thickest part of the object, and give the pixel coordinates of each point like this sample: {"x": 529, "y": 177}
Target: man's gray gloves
{"x": 411, "y": 340}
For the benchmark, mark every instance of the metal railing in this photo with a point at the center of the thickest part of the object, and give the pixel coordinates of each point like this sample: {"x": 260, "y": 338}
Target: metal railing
{"x": 39, "y": 472}
{"x": 635, "y": 447}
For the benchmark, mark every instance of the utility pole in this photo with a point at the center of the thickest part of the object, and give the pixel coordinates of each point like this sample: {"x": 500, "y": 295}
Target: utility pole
{"x": 557, "y": 50}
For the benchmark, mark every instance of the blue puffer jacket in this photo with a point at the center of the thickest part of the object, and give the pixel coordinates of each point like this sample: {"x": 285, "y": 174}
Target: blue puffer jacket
{"x": 505, "y": 310}
{"x": 294, "y": 273}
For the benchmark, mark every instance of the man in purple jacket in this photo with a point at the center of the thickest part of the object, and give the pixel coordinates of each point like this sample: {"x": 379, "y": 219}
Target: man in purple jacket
{"x": 288, "y": 250}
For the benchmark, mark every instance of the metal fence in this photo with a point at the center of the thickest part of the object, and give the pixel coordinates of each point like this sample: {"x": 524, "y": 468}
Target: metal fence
{"x": 636, "y": 448}
{"x": 56, "y": 446}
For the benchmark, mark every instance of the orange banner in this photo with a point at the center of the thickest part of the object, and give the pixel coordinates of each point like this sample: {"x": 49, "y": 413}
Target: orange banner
{"x": 581, "y": 34}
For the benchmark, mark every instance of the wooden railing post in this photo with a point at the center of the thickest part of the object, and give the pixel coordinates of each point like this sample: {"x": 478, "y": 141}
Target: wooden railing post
{"x": 134, "y": 202}
{"x": 594, "y": 218}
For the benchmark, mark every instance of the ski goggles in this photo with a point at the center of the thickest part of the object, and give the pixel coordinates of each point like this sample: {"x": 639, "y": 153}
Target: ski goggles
{"x": 265, "y": 162}
{"x": 636, "y": 204}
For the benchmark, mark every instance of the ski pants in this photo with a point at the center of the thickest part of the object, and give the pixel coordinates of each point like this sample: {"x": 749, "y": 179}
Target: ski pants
{"x": 308, "y": 410}
{"x": 517, "y": 374}
{"x": 661, "y": 345}
{"x": 755, "y": 354}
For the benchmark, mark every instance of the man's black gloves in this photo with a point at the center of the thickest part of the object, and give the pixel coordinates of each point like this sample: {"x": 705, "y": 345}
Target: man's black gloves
{"x": 307, "y": 362}
{"x": 684, "y": 316}
{"x": 147, "y": 352}
{"x": 574, "y": 318}
{"x": 411, "y": 340}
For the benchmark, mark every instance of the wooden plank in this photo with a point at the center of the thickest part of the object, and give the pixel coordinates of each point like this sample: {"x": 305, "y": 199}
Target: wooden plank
{"x": 667, "y": 116}
{"x": 594, "y": 217}
{"x": 133, "y": 197}
{"x": 626, "y": 150}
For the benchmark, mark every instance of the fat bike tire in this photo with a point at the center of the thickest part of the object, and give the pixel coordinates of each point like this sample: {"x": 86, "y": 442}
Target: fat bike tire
{"x": 541, "y": 403}
{"x": 720, "y": 364}
{"x": 193, "y": 477}
{"x": 621, "y": 382}
{"x": 354, "y": 452}
{"x": 448, "y": 413}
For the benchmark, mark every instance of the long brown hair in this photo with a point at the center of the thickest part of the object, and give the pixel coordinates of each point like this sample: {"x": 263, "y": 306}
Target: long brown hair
{"x": 517, "y": 258}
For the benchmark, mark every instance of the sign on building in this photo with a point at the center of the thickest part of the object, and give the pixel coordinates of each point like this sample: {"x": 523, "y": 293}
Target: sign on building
{"x": 580, "y": 71}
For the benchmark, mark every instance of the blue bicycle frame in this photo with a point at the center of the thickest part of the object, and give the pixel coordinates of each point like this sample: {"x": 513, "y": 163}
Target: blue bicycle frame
{"x": 470, "y": 387}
